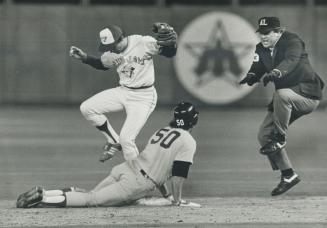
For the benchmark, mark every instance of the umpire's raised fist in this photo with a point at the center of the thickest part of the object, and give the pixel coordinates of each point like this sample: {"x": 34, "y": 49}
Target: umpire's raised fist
{"x": 249, "y": 79}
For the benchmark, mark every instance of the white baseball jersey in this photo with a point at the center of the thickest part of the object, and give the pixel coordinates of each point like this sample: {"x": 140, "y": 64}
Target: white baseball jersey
{"x": 164, "y": 147}
{"x": 137, "y": 69}
{"x": 125, "y": 184}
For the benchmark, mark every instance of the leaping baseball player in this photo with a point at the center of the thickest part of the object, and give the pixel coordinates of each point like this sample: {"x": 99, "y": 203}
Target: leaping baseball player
{"x": 168, "y": 154}
{"x": 132, "y": 57}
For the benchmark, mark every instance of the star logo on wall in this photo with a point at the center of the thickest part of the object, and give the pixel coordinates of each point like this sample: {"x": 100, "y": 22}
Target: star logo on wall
{"x": 218, "y": 57}
{"x": 215, "y": 51}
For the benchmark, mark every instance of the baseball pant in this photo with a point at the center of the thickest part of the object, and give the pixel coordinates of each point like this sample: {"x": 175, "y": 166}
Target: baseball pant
{"x": 288, "y": 107}
{"x": 124, "y": 185}
{"x": 138, "y": 104}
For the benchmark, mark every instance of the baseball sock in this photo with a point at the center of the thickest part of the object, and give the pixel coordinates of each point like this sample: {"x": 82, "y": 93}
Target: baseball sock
{"x": 287, "y": 172}
{"x": 53, "y": 198}
{"x": 111, "y": 136}
{"x": 54, "y": 201}
{"x": 56, "y": 198}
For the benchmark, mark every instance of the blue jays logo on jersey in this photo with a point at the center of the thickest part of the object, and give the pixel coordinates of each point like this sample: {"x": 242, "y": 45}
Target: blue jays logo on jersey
{"x": 132, "y": 61}
{"x": 215, "y": 52}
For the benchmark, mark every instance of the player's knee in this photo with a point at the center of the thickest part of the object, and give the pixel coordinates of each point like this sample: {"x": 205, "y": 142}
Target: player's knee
{"x": 85, "y": 108}
{"x": 282, "y": 95}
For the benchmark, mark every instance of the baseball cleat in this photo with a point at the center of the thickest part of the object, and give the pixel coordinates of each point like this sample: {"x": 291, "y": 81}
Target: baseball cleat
{"x": 30, "y": 198}
{"x": 109, "y": 151}
{"x": 285, "y": 184}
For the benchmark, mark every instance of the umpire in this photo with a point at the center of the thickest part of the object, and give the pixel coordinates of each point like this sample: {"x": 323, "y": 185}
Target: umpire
{"x": 281, "y": 58}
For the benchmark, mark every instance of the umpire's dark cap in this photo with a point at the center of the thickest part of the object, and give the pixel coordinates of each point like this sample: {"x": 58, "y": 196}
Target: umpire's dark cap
{"x": 109, "y": 36}
{"x": 267, "y": 24}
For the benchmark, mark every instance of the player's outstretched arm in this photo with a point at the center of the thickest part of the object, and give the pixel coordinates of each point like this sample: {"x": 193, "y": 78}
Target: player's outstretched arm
{"x": 77, "y": 53}
{"x": 93, "y": 61}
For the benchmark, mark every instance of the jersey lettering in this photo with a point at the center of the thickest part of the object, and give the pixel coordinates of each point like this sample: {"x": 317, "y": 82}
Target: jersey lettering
{"x": 166, "y": 140}
{"x": 160, "y": 134}
{"x": 138, "y": 60}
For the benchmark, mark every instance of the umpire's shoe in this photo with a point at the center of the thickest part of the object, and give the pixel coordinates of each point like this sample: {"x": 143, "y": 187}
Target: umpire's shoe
{"x": 109, "y": 151}
{"x": 285, "y": 184}
{"x": 30, "y": 198}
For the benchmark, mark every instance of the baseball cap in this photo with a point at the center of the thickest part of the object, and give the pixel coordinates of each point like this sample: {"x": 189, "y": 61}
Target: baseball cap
{"x": 109, "y": 36}
{"x": 267, "y": 24}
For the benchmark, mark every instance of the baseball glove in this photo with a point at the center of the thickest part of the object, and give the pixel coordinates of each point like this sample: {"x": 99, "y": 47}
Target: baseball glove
{"x": 165, "y": 34}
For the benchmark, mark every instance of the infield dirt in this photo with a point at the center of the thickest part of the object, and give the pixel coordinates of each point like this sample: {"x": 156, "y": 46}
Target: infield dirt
{"x": 232, "y": 211}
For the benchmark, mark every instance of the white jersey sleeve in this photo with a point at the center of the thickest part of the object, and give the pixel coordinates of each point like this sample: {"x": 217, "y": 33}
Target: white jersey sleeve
{"x": 187, "y": 150}
{"x": 108, "y": 58}
{"x": 151, "y": 45}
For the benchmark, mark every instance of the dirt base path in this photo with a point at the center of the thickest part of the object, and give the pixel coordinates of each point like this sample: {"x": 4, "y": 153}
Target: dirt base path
{"x": 228, "y": 212}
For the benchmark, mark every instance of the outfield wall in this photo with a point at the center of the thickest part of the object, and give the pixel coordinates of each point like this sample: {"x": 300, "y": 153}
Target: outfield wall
{"x": 35, "y": 40}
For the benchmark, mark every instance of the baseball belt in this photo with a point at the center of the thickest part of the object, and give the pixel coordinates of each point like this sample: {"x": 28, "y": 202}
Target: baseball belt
{"x": 148, "y": 177}
{"x": 141, "y": 87}
{"x": 136, "y": 166}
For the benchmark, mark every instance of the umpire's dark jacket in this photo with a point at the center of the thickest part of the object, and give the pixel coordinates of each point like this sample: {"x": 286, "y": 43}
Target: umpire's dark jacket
{"x": 291, "y": 59}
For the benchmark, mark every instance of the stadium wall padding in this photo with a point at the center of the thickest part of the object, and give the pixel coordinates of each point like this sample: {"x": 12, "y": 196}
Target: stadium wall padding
{"x": 35, "y": 39}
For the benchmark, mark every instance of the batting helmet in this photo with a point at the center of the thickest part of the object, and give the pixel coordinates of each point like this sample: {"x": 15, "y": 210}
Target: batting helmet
{"x": 185, "y": 116}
